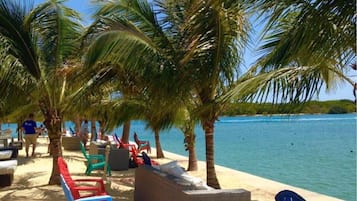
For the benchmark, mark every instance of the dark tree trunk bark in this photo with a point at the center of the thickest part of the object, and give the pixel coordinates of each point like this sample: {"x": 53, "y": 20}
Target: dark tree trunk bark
{"x": 53, "y": 125}
{"x": 126, "y": 132}
{"x": 208, "y": 126}
{"x": 192, "y": 158}
{"x": 56, "y": 150}
{"x": 77, "y": 124}
{"x": 159, "y": 152}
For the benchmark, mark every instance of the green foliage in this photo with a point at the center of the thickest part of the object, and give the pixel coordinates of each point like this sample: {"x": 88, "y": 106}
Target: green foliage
{"x": 337, "y": 110}
{"x": 311, "y": 107}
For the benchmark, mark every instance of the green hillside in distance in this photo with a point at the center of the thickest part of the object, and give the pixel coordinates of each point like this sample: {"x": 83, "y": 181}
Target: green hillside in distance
{"x": 311, "y": 107}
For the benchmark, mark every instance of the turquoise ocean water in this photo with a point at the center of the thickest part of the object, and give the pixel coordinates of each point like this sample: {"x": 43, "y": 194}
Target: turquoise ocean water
{"x": 314, "y": 152}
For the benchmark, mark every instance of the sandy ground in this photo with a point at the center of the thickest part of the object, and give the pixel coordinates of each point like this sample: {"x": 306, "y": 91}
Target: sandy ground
{"x": 32, "y": 176}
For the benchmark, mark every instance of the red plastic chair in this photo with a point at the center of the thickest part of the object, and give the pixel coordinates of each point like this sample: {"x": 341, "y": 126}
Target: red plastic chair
{"x": 75, "y": 186}
{"x": 139, "y": 160}
{"x": 120, "y": 143}
{"x": 142, "y": 144}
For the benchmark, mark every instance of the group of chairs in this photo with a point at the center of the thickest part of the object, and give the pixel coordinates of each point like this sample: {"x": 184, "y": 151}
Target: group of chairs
{"x": 75, "y": 190}
{"x": 135, "y": 150}
{"x": 97, "y": 161}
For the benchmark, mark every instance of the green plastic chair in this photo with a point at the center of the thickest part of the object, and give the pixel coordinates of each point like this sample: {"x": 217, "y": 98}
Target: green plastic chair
{"x": 94, "y": 161}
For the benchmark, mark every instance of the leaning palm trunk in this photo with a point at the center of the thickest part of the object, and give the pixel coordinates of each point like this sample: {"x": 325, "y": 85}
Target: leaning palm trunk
{"x": 53, "y": 125}
{"x": 159, "y": 152}
{"x": 208, "y": 126}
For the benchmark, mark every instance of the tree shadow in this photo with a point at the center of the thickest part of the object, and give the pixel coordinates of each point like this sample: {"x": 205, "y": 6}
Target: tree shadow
{"x": 121, "y": 185}
{"x": 22, "y": 189}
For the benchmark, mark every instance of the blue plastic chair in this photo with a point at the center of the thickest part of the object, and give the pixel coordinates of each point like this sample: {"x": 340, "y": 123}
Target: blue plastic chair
{"x": 287, "y": 195}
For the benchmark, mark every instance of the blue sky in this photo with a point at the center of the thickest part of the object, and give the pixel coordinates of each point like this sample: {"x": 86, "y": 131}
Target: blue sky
{"x": 341, "y": 91}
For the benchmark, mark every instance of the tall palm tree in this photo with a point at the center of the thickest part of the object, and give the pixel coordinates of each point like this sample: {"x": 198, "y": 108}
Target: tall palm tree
{"x": 40, "y": 42}
{"x": 201, "y": 42}
{"x": 191, "y": 46}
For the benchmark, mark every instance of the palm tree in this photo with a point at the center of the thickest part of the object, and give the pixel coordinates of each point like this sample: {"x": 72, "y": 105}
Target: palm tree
{"x": 192, "y": 46}
{"x": 186, "y": 122}
{"x": 201, "y": 43}
{"x": 41, "y": 41}
{"x": 312, "y": 41}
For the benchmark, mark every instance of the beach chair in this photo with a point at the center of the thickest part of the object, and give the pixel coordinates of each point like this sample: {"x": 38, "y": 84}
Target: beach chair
{"x": 74, "y": 190}
{"x": 287, "y": 195}
{"x": 141, "y": 159}
{"x": 120, "y": 144}
{"x": 94, "y": 161}
{"x": 142, "y": 144}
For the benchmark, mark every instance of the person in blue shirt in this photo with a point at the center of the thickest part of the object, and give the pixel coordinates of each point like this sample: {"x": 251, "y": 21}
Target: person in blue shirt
{"x": 29, "y": 128}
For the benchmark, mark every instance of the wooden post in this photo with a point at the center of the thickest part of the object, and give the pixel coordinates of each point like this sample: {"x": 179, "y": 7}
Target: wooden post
{"x": 107, "y": 151}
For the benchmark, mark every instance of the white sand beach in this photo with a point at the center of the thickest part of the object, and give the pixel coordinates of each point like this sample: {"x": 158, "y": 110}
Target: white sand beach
{"x": 32, "y": 175}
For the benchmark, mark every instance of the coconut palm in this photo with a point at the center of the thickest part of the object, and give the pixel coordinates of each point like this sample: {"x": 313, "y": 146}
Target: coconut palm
{"x": 186, "y": 122}
{"x": 312, "y": 40}
{"x": 192, "y": 46}
{"x": 41, "y": 42}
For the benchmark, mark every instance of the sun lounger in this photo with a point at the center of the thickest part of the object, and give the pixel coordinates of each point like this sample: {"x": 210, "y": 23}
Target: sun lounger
{"x": 8, "y": 164}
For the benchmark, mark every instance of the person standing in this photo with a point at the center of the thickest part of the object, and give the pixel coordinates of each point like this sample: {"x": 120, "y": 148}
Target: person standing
{"x": 29, "y": 128}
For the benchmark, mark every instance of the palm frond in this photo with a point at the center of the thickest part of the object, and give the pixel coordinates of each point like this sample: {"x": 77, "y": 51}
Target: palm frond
{"x": 58, "y": 31}
{"x": 289, "y": 84}
{"x": 309, "y": 31}
{"x": 19, "y": 37}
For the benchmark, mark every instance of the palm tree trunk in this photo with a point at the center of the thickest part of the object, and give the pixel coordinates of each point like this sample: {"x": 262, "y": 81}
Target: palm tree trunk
{"x": 192, "y": 159}
{"x": 208, "y": 126}
{"x": 56, "y": 150}
{"x": 159, "y": 152}
{"x": 190, "y": 138}
{"x": 77, "y": 124}
{"x": 126, "y": 132}
{"x": 53, "y": 125}
{"x": 101, "y": 130}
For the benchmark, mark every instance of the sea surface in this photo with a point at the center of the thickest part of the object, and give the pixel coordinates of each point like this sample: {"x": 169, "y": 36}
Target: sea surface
{"x": 314, "y": 152}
